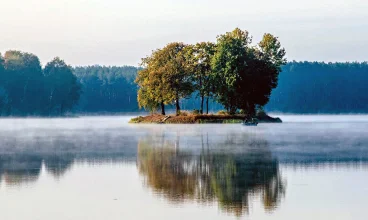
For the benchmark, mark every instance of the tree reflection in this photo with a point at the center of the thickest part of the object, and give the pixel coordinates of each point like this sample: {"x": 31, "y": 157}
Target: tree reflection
{"x": 57, "y": 165}
{"x": 25, "y": 169}
{"x": 229, "y": 171}
{"x": 17, "y": 170}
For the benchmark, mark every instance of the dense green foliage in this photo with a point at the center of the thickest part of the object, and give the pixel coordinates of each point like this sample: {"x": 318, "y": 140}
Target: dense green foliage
{"x": 61, "y": 87}
{"x": 27, "y": 89}
{"x": 303, "y": 87}
{"x": 166, "y": 77}
{"x": 107, "y": 89}
{"x": 240, "y": 76}
{"x": 314, "y": 87}
{"x": 203, "y": 80}
{"x": 244, "y": 74}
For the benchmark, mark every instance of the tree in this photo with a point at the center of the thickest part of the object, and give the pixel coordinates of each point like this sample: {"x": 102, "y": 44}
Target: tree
{"x": 107, "y": 88}
{"x": 153, "y": 91}
{"x": 146, "y": 93}
{"x": 271, "y": 51}
{"x": 246, "y": 74}
{"x": 201, "y": 56}
{"x": 63, "y": 90}
{"x": 177, "y": 73}
{"x": 166, "y": 77}
{"x": 228, "y": 64}
{"x": 3, "y": 92}
{"x": 228, "y": 177}
{"x": 264, "y": 63}
{"x": 23, "y": 83}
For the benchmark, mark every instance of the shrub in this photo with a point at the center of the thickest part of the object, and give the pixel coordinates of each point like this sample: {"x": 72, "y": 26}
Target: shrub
{"x": 222, "y": 112}
{"x": 183, "y": 113}
{"x": 136, "y": 120}
{"x": 195, "y": 112}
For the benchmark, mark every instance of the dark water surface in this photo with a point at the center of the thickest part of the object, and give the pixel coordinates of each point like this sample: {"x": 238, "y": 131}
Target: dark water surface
{"x": 310, "y": 167}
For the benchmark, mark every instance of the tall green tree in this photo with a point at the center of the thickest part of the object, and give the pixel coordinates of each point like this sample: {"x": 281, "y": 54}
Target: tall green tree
{"x": 24, "y": 83}
{"x": 177, "y": 73}
{"x": 228, "y": 64}
{"x": 63, "y": 90}
{"x": 3, "y": 91}
{"x": 246, "y": 74}
{"x": 201, "y": 56}
{"x": 107, "y": 89}
{"x": 263, "y": 67}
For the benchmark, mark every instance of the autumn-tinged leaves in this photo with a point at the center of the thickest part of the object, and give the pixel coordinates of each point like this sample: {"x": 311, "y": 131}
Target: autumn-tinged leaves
{"x": 237, "y": 74}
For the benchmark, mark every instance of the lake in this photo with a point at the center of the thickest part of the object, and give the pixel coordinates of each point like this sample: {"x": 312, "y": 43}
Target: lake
{"x": 309, "y": 167}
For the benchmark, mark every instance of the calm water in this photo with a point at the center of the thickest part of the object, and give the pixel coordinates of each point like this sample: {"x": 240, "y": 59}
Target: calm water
{"x": 310, "y": 167}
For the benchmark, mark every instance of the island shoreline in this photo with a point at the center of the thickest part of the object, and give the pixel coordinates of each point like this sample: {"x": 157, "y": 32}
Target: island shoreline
{"x": 200, "y": 119}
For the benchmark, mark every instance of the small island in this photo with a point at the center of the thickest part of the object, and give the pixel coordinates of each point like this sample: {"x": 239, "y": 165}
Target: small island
{"x": 232, "y": 72}
{"x": 201, "y": 119}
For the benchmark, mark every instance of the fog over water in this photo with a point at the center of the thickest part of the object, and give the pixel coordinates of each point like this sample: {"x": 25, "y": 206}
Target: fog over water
{"x": 93, "y": 167}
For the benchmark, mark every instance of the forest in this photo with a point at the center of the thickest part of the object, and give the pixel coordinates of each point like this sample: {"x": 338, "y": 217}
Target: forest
{"x": 318, "y": 87}
{"x": 27, "y": 89}
{"x": 303, "y": 87}
{"x": 107, "y": 89}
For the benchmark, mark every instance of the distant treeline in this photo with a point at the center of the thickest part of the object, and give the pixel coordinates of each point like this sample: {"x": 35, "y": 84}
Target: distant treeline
{"x": 303, "y": 87}
{"x": 28, "y": 89}
{"x": 107, "y": 89}
{"x": 314, "y": 87}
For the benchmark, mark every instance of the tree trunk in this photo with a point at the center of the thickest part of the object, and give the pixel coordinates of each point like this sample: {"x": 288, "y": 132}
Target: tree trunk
{"x": 177, "y": 106}
{"x": 202, "y": 101}
{"x": 207, "y": 105}
{"x": 162, "y": 108}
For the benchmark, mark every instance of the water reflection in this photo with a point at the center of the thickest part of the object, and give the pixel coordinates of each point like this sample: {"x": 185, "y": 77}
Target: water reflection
{"x": 229, "y": 166}
{"x": 25, "y": 169}
{"x": 219, "y": 172}
{"x": 16, "y": 170}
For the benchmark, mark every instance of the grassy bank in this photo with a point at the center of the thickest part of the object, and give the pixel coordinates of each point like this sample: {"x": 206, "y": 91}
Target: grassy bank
{"x": 199, "y": 119}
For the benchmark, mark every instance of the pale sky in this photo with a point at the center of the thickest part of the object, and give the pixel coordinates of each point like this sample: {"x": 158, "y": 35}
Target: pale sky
{"x": 121, "y": 32}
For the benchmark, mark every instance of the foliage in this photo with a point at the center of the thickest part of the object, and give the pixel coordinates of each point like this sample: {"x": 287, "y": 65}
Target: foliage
{"x": 228, "y": 64}
{"x": 246, "y": 74}
{"x": 62, "y": 88}
{"x": 165, "y": 78}
{"x": 107, "y": 89}
{"x": 229, "y": 178}
{"x": 222, "y": 112}
{"x": 238, "y": 75}
{"x": 138, "y": 119}
{"x": 3, "y": 91}
{"x": 318, "y": 87}
{"x": 196, "y": 112}
{"x": 201, "y": 55}
{"x": 25, "y": 86}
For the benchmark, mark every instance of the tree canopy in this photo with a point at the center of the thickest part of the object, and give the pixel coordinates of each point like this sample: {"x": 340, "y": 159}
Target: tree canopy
{"x": 238, "y": 75}
{"x": 61, "y": 87}
{"x": 27, "y": 89}
{"x": 165, "y": 78}
{"x": 200, "y": 59}
{"x": 107, "y": 89}
{"x": 302, "y": 87}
